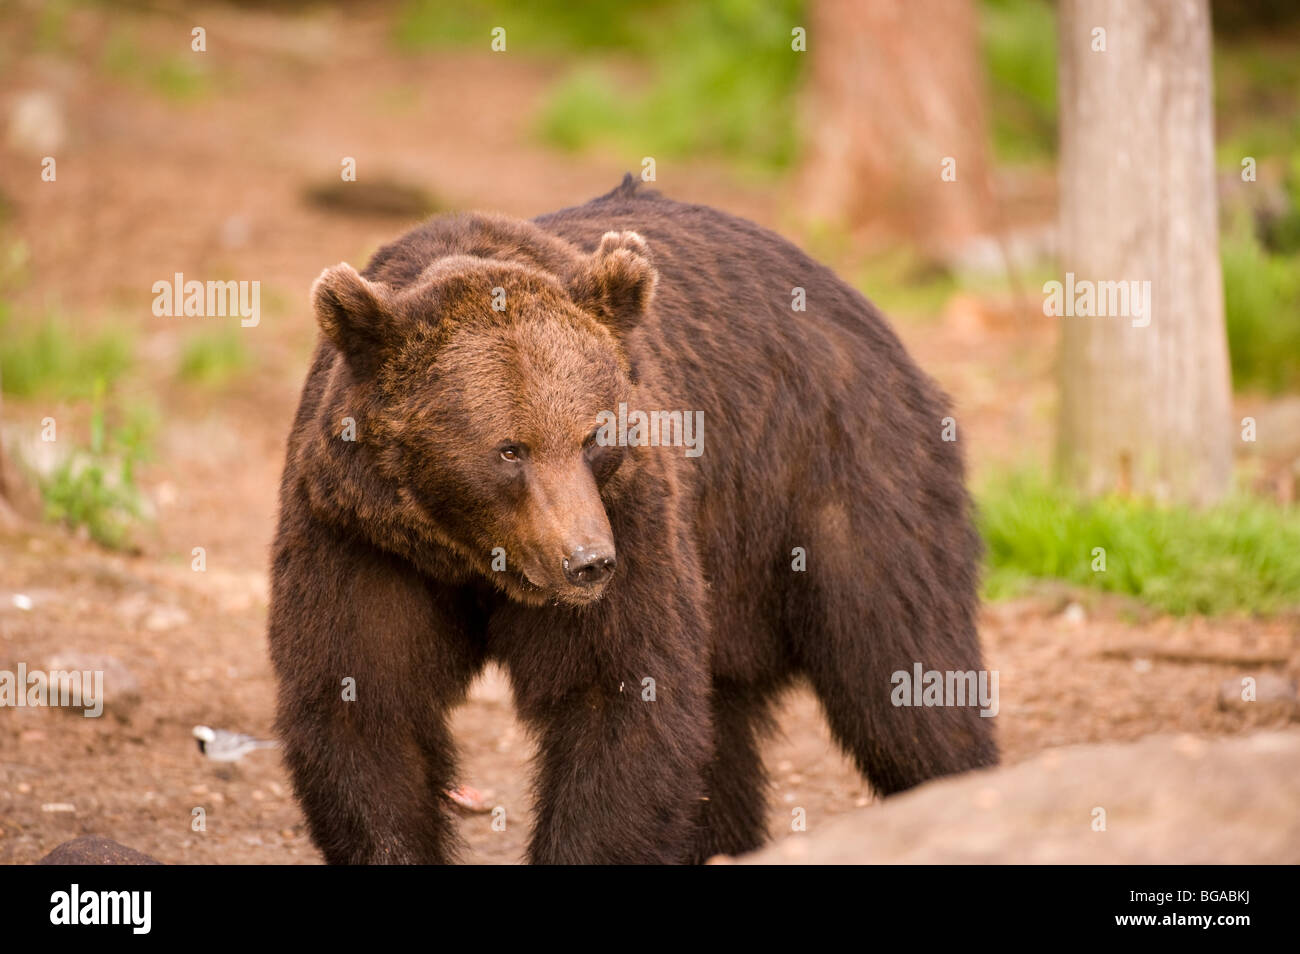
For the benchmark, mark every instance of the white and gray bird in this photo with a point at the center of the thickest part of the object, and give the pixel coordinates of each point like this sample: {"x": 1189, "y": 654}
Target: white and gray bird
{"x": 221, "y": 745}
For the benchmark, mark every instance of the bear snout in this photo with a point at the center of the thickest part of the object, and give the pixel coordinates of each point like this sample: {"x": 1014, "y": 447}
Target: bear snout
{"x": 589, "y": 566}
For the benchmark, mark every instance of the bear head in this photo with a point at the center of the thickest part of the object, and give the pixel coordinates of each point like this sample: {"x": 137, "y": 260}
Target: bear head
{"x": 481, "y": 381}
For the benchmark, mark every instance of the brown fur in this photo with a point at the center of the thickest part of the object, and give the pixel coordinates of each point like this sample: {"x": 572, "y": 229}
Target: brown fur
{"x": 819, "y": 433}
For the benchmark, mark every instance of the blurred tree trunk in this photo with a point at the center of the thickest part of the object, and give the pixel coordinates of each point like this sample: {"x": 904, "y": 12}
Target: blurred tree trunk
{"x": 895, "y": 87}
{"x": 1145, "y": 409}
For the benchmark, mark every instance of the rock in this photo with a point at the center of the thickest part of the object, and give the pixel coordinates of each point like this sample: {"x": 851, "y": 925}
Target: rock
{"x": 96, "y": 850}
{"x": 1163, "y": 800}
{"x": 121, "y": 687}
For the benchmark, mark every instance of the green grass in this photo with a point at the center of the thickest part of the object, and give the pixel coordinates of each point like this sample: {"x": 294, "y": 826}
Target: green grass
{"x": 181, "y": 76}
{"x": 1240, "y": 556}
{"x": 214, "y": 358}
{"x": 901, "y": 284}
{"x": 94, "y": 487}
{"x": 722, "y": 78}
{"x": 1261, "y": 294}
{"x": 52, "y": 358}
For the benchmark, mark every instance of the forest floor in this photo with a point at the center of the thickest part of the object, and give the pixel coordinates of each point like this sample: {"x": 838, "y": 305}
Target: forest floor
{"x": 214, "y": 187}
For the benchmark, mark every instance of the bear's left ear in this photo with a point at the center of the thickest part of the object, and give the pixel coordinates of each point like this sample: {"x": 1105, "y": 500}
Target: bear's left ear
{"x": 617, "y": 281}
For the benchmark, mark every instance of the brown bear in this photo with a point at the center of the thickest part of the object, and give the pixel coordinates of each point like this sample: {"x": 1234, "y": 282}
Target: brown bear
{"x": 607, "y": 449}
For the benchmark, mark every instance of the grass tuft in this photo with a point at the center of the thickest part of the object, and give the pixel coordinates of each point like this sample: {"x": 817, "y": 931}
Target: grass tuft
{"x": 214, "y": 358}
{"x": 1240, "y": 556}
{"x": 94, "y": 487}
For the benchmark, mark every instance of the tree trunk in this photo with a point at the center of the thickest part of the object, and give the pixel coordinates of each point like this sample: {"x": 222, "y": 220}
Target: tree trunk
{"x": 895, "y": 87}
{"x": 1145, "y": 402}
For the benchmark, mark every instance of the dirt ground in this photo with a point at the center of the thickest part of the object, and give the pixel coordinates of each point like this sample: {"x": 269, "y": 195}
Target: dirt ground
{"x": 214, "y": 188}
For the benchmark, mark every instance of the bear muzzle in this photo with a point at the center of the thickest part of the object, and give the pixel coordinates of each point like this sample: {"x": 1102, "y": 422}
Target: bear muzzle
{"x": 589, "y": 566}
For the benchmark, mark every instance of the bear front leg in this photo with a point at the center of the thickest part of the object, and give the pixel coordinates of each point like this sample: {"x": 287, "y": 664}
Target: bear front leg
{"x": 622, "y": 716}
{"x": 370, "y": 657}
{"x": 619, "y": 779}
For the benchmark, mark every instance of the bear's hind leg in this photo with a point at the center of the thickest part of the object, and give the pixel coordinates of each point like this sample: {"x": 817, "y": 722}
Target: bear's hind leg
{"x": 874, "y": 604}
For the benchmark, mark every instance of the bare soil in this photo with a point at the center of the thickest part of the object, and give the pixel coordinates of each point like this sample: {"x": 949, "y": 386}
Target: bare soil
{"x": 214, "y": 188}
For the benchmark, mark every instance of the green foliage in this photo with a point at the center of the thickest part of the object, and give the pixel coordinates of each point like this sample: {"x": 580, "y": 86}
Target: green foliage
{"x": 1281, "y": 234}
{"x": 1019, "y": 41}
{"x": 52, "y": 27}
{"x": 722, "y": 80}
{"x": 95, "y": 487}
{"x": 1256, "y": 98}
{"x": 1261, "y": 295}
{"x": 545, "y": 26}
{"x": 1240, "y": 556}
{"x": 51, "y": 358}
{"x": 213, "y": 358}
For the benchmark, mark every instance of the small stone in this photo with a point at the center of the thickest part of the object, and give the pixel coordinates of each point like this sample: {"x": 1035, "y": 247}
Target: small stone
{"x": 164, "y": 618}
{"x": 164, "y": 494}
{"x": 36, "y": 124}
{"x": 235, "y": 231}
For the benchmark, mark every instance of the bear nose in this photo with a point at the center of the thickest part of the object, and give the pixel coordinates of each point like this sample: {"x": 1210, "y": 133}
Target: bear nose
{"x": 588, "y": 566}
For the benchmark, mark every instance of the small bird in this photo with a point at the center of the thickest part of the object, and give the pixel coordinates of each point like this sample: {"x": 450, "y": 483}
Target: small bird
{"x": 223, "y": 746}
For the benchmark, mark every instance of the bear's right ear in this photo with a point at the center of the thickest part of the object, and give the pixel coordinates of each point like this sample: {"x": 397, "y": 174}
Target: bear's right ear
{"x": 353, "y": 314}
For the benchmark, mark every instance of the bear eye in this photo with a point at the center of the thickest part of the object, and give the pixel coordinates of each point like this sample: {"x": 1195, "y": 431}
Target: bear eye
{"x": 591, "y": 439}
{"x": 511, "y": 452}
